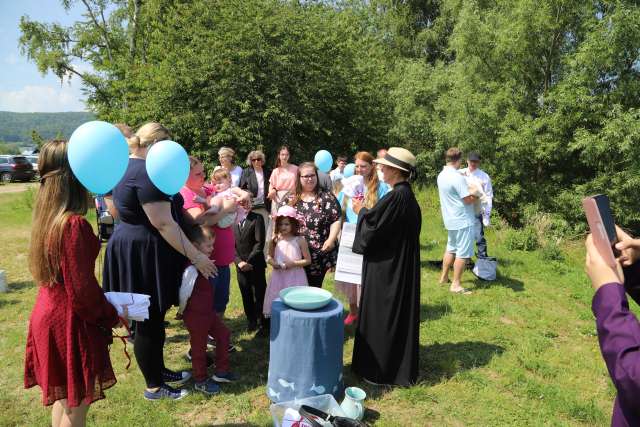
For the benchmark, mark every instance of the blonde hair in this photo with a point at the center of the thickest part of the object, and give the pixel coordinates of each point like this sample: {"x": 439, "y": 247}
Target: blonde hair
{"x": 59, "y": 197}
{"x": 220, "y": 173}
{"x": 370, "y": 181}
{"x": 193, "y": 162}
{"x": 255, "y": 153}
{"x": 124, "y": 129}
{"x": 226, "y": 151}
{"x": 147, "y": 135}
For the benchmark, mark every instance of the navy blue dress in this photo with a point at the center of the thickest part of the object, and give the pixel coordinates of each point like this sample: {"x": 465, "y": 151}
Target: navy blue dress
{"x": 137, "y": 258}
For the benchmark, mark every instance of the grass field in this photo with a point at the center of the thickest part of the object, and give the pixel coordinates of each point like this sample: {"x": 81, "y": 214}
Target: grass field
{"x": 519, "y": 351}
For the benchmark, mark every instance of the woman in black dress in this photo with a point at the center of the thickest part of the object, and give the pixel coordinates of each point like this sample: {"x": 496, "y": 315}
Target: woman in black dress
{"x": 146, "y": 254}
{"x": 321, "y": 213}
{"x": 386, "y": 345}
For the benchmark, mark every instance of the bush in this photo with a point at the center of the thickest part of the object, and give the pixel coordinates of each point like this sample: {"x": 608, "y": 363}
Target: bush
{"x": 525, "y": 239}
{"x": 551, "y": 252}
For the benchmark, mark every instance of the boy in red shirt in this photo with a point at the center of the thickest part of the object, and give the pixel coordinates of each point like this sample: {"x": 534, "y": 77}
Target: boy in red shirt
{"x": 196, "y": 297}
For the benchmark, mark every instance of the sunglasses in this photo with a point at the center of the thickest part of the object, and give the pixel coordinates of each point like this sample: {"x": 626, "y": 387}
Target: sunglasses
{"x": 256, "y": 160}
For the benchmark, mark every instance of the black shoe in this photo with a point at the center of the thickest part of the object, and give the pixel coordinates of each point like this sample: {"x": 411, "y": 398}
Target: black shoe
{"x": 175, "y": 378}
{"x": 263, "y": 332}
{"x": 251, "y": 327}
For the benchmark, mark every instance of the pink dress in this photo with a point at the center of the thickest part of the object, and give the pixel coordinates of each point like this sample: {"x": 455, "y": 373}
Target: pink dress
{"x": 286, "y": 250}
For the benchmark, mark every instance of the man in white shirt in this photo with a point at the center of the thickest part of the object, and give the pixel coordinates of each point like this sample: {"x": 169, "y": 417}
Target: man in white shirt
{"x": 456, "y": 203}
{"x": 338, "y": 173}
{"x": 482, "y": 220}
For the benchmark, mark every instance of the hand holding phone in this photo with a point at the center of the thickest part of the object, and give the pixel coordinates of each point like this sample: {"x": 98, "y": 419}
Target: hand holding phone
{"x": 602, "y": 226}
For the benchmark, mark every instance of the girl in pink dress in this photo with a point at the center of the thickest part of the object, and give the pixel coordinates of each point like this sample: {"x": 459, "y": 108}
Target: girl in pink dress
{"x": 288, "y": 255}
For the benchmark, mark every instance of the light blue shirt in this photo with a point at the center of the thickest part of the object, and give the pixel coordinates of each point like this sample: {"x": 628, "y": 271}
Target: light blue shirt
{"x": 452, "y": 188}
{"x": 352, "y": 218}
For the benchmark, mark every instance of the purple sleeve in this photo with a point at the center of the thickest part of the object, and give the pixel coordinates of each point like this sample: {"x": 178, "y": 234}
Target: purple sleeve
{"x": 619, "y": 337}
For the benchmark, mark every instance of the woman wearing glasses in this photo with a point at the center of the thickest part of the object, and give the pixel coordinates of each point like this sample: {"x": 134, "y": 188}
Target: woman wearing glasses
{"x": 255, "y": 180}
{"x": 321, "y": 213}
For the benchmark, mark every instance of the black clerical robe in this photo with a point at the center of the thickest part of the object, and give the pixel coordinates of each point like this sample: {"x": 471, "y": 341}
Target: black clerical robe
{"x": 387, "y": 342}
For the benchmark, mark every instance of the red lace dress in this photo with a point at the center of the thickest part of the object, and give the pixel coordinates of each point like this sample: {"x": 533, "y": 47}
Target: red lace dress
{"x": 67, "y": 351}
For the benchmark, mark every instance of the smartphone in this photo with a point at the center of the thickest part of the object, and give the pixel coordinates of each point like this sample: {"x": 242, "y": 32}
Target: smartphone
{"x": 602, "y": 226}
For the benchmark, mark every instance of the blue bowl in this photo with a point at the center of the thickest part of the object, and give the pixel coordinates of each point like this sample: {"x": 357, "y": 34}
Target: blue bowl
{"x": 305, "y": 297}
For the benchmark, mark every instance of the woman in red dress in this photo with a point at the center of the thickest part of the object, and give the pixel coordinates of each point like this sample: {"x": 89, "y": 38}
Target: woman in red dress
{"x": 67, "y": 351}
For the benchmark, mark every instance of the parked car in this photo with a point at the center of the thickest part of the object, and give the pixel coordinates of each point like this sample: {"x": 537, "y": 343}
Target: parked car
{"x": 15, "y": 168}
{"x": 33, "y": 159}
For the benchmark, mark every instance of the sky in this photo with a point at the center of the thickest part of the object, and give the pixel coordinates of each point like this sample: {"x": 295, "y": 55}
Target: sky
{"x": 22, "y": 87}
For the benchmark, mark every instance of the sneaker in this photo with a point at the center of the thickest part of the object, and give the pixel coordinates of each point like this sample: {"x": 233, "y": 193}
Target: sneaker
{"x": 210, "y": 361}
{"x": 166, "y": 392}
{"x": 351, "y": 318}
{"x": 207, "y": 387}
{"x": 176, "y": 378}
{"x": 224, "y": 377}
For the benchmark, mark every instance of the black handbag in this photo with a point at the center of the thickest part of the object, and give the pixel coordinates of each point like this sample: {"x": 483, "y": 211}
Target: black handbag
{"x": 312, "y": 414}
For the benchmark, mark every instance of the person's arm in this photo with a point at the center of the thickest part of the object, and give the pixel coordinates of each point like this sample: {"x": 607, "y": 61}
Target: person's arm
{"x": 211, "y": 219}
{"x": 334, "y": 212}
{"x": 306, "y": 255}
{"x": 84, "y": 294}
{"x": 111, "y": 207}
{"x": 273, "y": 190}
{"x": 334, "y": 231}
{"x": 618, "y": 329}
{"x": 619, "y": 339}
{"x": 271, "y": 253}
{"x": 488, "y": 191}
{"x": 159, "y": 214}
{"x": 243, "y": 196}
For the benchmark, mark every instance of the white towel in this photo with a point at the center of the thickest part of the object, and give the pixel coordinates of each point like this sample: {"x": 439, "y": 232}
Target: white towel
{"x": 137, "y": 304}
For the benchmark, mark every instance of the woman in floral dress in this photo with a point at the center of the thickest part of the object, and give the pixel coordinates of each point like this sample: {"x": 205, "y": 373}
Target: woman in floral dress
{"x": 321, "y": 213}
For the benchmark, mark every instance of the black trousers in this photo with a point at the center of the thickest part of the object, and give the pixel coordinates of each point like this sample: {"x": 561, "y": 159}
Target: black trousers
{"x": 148, "y": 347}
{"x": 253, "y": 285}
{"x": 315, "y": 280}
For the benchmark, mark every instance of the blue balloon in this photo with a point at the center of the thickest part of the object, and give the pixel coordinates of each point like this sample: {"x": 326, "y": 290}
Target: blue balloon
{"x": 349, "y": 170}
{"x": 323, "y": 161}
{"x": 168, "y": 166}
{"x": 98, "y": 155}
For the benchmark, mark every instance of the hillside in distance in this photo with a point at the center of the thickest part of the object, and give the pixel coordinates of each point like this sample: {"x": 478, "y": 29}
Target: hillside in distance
{"x": 17, "y": 127}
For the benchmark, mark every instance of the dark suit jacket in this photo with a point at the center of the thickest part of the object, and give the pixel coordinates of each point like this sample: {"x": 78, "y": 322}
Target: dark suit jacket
{"x": 249, "y": 182}
{"x": 250, "y": 238}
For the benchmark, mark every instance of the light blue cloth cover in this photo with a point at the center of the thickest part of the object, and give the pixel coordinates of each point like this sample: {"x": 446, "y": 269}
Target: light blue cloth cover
{"x": 305, "y": 357}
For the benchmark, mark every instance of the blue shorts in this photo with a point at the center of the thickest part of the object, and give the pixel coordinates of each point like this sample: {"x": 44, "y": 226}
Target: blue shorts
{"x": 460, "y": 242}
{"x": 220, "y": 285}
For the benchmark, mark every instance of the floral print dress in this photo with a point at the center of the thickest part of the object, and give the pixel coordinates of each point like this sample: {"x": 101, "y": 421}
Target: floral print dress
{"x": 318, "y": 216}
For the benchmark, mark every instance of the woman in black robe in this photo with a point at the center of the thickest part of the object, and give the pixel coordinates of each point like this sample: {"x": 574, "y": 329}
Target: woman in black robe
{"x": 387, "y": 341}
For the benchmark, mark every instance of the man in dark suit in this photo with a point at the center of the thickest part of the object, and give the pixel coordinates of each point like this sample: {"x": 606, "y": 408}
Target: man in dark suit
{"x": 250, "y": 267}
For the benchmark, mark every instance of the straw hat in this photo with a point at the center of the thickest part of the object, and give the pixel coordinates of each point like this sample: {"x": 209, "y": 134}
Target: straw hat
{"x": 399, "y": 158}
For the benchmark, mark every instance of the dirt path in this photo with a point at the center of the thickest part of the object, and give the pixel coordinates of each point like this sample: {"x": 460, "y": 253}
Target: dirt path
{"x": 16, "y": 187}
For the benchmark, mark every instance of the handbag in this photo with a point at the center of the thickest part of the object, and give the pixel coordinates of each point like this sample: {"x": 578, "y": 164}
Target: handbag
{"x": 312, "y": 415}
{"x": 485, "y": 268}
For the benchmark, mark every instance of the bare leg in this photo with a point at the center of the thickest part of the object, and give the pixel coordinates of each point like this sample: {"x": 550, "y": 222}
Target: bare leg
{"x": 74, "y": 417}
{"x": 447, "y": 260}
{"x": 458, "y": 268}
{"x": 57, "y": 412}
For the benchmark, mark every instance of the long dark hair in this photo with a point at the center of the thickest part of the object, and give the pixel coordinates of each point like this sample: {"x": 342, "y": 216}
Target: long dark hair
{"x": 295, "y": 230}
{"x": 316, "y": 189}
{"x": 282, "y": 147}
{"x": 59, "y": 197}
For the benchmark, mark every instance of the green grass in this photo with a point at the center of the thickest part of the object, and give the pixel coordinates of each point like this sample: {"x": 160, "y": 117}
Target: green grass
{"x": 520, "y": 351}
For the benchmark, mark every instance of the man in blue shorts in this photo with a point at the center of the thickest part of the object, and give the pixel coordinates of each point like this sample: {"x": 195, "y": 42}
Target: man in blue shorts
{"x": 458, "y": 215}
